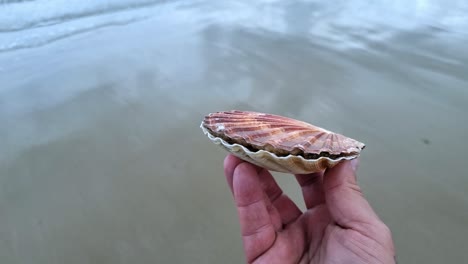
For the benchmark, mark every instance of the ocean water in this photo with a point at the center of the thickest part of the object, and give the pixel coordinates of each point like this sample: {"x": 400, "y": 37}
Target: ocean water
{"x": 101, "y": 155}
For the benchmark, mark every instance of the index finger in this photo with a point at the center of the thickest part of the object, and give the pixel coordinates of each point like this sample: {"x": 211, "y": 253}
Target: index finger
{"x": 257, "y": 226}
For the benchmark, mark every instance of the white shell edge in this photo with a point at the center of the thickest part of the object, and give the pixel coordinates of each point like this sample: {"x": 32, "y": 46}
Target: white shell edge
{"x": 270, "y": 160}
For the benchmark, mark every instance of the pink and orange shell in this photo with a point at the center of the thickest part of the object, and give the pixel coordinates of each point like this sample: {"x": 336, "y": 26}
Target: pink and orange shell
{"x": 279, "y": 143}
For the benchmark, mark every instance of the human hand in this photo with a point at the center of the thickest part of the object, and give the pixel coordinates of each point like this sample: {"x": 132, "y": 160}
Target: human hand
{"x": 339, "y": 225}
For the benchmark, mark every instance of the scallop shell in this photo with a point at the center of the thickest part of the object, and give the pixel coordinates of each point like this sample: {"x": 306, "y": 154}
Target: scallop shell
{"x": 279, "y": 143}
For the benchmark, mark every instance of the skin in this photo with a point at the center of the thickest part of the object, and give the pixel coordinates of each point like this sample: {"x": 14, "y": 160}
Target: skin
{"x": 339, "y": 225}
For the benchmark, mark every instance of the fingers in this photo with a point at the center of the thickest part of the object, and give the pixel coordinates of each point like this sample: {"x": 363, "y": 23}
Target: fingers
{"x": 344, "y": 198}
{"x": 230, "y": 163}
{"x": 287, "y": 209}
{"x": 262, "y": 207}
{"x": 277, "y": 202}
{"x": 312, "y": 188}
{"x": 258, "y": 232}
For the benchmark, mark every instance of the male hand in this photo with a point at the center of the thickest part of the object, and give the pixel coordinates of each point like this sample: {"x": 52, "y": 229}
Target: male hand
{"x": 339, "y": 225}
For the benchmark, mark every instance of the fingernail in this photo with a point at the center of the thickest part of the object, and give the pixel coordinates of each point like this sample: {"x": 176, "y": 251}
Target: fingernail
{"x": 355, "y": 164}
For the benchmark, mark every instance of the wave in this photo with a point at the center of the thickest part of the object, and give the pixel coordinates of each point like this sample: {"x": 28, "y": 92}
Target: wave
{"x": 357, "y": 24}
{"x": 60, "y": 26}
{"x": 20, "y": 15}
{"x": 34, "y": 41}
{"x": 14, "y": 1}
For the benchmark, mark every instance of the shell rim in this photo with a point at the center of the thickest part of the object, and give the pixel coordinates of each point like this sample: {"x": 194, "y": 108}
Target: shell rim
{"x": 218, "y": 140}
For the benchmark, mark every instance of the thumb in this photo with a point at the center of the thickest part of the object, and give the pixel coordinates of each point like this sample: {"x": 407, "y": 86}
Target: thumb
{"x": 344, "y": 197}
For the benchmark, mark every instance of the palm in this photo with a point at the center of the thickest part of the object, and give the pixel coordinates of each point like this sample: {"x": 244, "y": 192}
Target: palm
{"x": 274, "y": 230}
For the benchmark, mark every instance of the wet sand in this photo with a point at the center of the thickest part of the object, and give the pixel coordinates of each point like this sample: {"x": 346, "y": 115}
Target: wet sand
{"x": 102, "y": 159}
